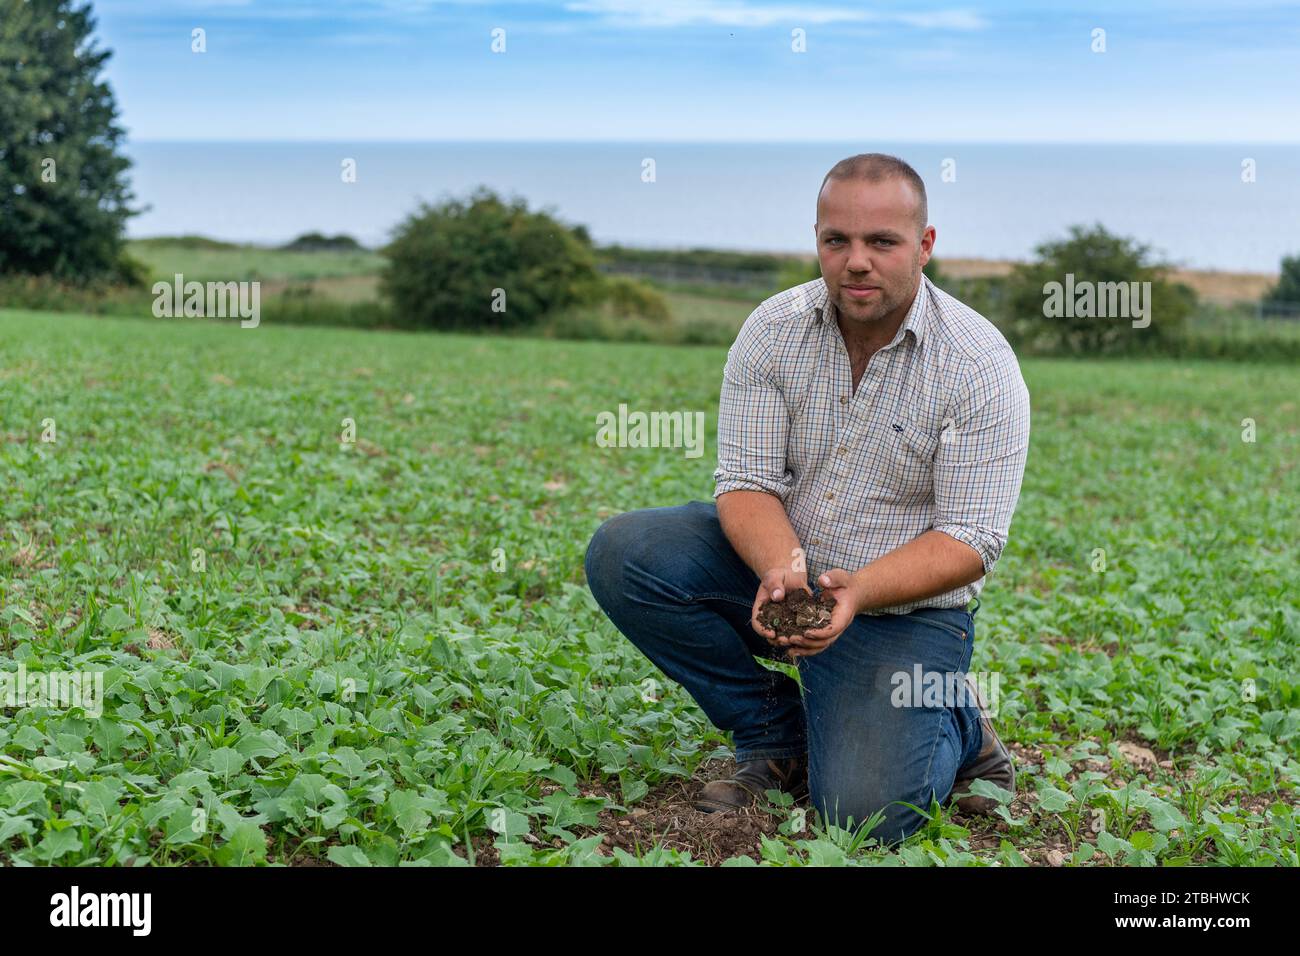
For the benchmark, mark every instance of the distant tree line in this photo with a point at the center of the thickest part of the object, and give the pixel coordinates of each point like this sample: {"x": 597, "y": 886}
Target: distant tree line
{"x": 318, "y": 242}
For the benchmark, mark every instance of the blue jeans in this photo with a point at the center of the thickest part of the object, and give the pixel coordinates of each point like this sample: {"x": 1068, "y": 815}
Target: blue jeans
{"x": 670, "y": 581}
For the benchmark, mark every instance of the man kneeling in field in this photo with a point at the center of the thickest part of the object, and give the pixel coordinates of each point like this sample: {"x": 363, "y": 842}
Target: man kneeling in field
{"x": 872, "y": 437}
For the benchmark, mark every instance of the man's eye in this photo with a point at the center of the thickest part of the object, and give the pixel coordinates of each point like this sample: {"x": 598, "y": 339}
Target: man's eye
{"x": 885, "y": 242}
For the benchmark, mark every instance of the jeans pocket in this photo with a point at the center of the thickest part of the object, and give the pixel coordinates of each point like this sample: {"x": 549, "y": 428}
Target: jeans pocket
{"x": 961, "y": 633}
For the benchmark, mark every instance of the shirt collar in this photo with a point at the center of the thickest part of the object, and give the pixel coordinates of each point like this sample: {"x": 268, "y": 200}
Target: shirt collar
{"x": 917, "y": 319}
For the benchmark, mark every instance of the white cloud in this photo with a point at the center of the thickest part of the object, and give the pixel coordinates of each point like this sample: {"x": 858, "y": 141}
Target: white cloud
{"x": 742, "y": 13}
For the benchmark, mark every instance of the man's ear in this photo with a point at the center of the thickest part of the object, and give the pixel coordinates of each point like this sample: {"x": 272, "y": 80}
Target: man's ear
{"x": 927, "y": 244}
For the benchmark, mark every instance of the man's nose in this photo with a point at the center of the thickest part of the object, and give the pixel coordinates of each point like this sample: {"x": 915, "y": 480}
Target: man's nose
{"x": 859, "y": 258}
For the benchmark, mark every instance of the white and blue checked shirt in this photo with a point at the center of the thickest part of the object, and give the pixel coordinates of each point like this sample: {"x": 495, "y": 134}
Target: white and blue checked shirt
{"x": 935, "y": 437}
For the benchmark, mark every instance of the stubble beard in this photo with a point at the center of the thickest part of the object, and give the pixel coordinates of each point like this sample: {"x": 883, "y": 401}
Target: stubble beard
{"x": 867, "y": 315}
{"x": 889, "y": 301}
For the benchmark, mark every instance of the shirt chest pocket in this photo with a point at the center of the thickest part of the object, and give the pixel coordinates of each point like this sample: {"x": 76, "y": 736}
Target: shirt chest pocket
{"x": 906, "y": 463}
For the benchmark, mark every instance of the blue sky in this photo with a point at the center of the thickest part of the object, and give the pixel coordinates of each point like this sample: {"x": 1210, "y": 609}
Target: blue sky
{"x": 653, "y": 70}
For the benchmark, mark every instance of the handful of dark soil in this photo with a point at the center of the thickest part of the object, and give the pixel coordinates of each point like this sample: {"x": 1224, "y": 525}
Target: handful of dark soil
{"x": 799, "y": 611}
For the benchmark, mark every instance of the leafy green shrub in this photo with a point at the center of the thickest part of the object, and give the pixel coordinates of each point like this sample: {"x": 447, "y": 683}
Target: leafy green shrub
{"x": 485, "y": 263}
{"x": 131, "y": 272}
{"x": 589, "y": 323}
{"x": 96, "y": 297}
{"x": 1287, "y": 289}
{"x": 704, "y": 332}
{"x": 627, "y": 297}
{"x": 797, "y": 272}
{"x": 300, "y": 305}
{"x": 599, "y": 325}
{"x": 1046, "y": 313}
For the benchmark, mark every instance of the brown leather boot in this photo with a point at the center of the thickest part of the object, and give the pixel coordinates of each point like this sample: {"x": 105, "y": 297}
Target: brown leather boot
{"x": 993, "y": 763}
{"x": 751, "y": 779}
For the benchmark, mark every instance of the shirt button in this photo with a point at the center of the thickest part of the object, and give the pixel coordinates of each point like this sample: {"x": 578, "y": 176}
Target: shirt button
{"x": 816, "y": 541}
{"x": 844, "y": 399}
{"x": 830, "y": 496}
{"x": 843, "y": 449}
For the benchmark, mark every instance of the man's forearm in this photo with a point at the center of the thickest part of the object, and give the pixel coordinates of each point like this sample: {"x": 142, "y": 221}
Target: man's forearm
{"x": 933, "y": 563}
{"x": 759, "y": 530}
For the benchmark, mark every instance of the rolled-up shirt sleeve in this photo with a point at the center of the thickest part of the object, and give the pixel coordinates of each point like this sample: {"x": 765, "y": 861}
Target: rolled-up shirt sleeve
{"x": 753, "y": 418}
{"x": 979, "y": 464}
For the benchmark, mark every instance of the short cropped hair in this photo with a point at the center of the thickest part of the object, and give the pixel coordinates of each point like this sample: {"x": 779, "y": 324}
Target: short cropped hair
{"x": 875, "y": 167}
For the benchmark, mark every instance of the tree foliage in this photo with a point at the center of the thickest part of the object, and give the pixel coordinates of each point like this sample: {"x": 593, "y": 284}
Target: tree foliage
{"x": 64, "y": 195}
{"x": 1287, "y": 289}
{"x": 1060, "y": 295}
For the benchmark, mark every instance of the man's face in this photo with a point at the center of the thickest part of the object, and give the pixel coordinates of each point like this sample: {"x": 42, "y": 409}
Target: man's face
{"x": 870, "y": 248}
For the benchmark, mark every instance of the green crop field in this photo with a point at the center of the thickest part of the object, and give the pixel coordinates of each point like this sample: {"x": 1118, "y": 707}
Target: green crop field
{"x": 220, "y": 262}
{"x": 382, "y": 650}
